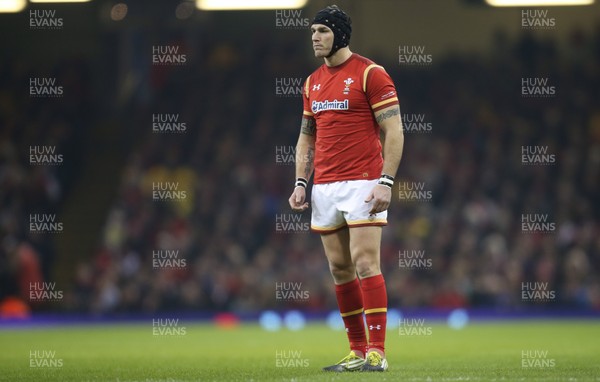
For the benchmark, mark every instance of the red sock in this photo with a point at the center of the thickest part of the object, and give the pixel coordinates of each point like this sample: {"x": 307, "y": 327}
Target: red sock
{"x": 350, "y": 302}
{"x": 375, "y": 303}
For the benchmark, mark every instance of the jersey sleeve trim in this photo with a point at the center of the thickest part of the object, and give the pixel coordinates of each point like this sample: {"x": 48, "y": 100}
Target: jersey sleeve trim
{"x": 366, "y": 73}
{"x": 379, "y": 104}
{"x": 306, "y": 86}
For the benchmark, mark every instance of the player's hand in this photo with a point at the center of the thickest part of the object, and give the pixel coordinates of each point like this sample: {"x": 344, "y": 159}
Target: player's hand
{"x": 381, "y": 197}
{"x": 298, "y": 199}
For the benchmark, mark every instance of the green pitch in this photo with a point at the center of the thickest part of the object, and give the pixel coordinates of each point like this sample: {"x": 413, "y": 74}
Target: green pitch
{"x": 550, "y": 351}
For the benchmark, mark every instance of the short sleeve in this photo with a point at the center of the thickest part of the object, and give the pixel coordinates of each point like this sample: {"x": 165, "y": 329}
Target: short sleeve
{"x": 379, "y": 88}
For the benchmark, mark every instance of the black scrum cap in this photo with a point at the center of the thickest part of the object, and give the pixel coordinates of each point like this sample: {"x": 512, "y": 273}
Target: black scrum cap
{"x": 339, "y": 22}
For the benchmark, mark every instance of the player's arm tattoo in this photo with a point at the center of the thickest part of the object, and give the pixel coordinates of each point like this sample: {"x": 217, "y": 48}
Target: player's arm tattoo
{"x": 310, "y": 156}
{"x": 309, "y": 126}
{"x": 388, "y": 114}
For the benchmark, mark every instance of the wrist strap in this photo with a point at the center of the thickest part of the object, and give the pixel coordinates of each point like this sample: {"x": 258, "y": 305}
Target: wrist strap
{"x": 386, "y": 180}
{"x": 301, "y": 182}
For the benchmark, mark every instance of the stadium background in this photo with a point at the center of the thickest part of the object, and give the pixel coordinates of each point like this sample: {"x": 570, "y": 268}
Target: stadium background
{"x": 228, "y": 92}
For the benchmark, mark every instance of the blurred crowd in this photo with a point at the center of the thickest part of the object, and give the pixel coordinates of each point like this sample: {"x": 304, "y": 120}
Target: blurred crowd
{"x": 33, "y": 183}
{"x": 231, "y": 254}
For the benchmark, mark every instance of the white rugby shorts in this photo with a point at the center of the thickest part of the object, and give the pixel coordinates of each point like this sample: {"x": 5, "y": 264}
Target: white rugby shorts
{"x": 339, "y": 204}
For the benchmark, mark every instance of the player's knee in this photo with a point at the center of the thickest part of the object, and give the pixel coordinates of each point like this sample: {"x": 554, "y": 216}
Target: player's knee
{"x": 366, "y": 267}
{"x": 342, "y": 271}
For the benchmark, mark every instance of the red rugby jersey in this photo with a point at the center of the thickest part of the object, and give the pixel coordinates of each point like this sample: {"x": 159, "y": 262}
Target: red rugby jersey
{"x": 343, "y": 99}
